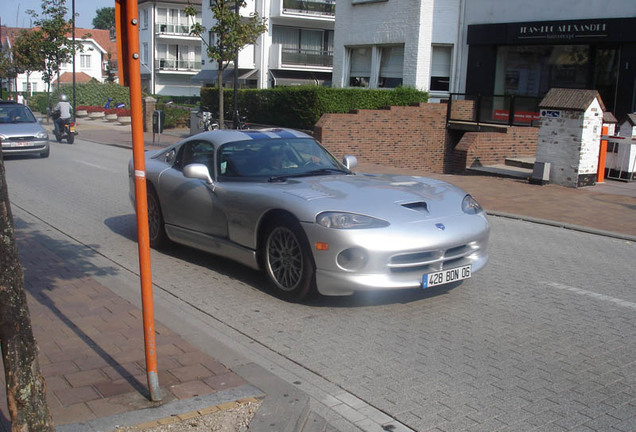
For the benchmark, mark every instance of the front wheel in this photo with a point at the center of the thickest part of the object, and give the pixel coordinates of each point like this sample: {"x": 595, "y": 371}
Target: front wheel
{"x": 287, "y": 259}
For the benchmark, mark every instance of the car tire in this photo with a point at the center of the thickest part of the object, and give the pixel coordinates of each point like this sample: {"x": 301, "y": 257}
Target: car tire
{"x": 287, "y": 260}
{"x": 156, "y": 226}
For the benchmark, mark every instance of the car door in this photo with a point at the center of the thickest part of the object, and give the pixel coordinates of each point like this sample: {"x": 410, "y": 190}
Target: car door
{"x": 192, "y": 203}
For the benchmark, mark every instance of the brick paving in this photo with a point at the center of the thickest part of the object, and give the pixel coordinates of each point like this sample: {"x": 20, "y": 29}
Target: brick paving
{"x": 91, "y": 345}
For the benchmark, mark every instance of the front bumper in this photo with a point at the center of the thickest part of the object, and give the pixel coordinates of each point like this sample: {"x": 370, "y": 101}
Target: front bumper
{"x": 18, "y": 148}
{"x": 396, "y": 258}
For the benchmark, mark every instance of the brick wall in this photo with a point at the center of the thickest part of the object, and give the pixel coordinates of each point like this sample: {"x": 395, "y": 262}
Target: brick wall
{"x": 409, "y": 137}
{"x": 416, "y": 137}
{"x": 491, "y": 148}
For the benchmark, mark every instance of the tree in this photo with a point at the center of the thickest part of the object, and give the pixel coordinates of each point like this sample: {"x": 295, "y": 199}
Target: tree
{"x": 25, "y": 384}
{"x": 8, "y": 69}
{"x": 55, "y": 46}
{"x": 104, "y": 18}
{"x": 26, "y": 54}
{"x": 232, "y": 33}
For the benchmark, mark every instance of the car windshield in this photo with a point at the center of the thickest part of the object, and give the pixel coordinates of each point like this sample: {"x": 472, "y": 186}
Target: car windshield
{"x": 276, "y": 159}
{"x": 16, "y": 114}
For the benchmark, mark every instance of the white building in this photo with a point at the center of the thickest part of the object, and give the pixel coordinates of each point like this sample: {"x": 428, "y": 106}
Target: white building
{"x": 90, "y": 62}
{"x": 297, "y": 48}
{"x": 170, "y": 56}
{"x": 489, "y": 47}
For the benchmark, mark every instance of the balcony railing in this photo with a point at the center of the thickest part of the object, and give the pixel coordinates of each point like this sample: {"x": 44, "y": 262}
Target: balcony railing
{"x": 307, "y": 57}
{"x": 314, "y": 7}
{"x": 173, "y": 29}
{"x": 178, "y": 65}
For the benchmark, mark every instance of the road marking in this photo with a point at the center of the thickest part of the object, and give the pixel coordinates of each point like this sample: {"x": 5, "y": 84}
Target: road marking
{"x": 94, "y": 165}
{"x": 592, "y": 294}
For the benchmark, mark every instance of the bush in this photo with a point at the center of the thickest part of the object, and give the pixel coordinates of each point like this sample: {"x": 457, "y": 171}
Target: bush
{"x": 176, "y": 116}
{"x": 94, "y": 94}
{"x": 301, "y": 107}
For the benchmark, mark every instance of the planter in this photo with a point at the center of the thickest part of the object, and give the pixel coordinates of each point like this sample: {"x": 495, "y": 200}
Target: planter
{"x": 125, "y": 120}
{"x": 96, "y": 115}
{"x": 111, "y": 117}
{"x": 81, "y": 113}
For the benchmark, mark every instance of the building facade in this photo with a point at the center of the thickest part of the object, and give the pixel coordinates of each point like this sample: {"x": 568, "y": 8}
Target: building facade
{"x": 296, "y": 49}
{"x": 490, "y": 47}
{"x": 97, "y": 54}
{"x": 170, "y": 56}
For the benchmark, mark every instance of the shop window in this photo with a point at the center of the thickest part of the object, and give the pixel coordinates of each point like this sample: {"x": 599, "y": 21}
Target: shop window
{"x": 441, "y": 68}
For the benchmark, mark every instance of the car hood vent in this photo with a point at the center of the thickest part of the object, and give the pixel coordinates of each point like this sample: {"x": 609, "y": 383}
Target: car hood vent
{"x": 417, "y": 206}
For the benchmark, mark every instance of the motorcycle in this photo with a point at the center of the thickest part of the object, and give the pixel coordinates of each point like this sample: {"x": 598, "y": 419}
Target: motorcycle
{"x": 115, "y": 104}
{"x": 67, "y": 131}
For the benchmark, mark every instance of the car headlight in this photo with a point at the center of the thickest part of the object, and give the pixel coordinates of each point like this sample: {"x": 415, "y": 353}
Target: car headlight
{"x": 3, "y": 137}
{"x": 471, "y": 206}
{"x": 340, "y": 220}
{"x": 42, "y": 135}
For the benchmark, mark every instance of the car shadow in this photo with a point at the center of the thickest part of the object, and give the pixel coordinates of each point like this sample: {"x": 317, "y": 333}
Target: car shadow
{"x": 126, "y": 226}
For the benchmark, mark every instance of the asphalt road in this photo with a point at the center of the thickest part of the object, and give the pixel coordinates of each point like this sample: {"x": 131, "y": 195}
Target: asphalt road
{"x": 544, "y": 338}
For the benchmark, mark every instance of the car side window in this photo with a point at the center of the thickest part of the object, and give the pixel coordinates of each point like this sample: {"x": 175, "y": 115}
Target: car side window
{"x": 196, "y": 152}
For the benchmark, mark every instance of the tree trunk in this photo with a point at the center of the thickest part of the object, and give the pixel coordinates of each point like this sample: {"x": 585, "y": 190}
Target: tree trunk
{"x": 221, "y": 110}
{"x": 25, "y": 384}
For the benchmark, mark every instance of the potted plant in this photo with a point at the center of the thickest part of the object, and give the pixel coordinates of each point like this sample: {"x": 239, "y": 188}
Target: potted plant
{"x": 123, "y": 116}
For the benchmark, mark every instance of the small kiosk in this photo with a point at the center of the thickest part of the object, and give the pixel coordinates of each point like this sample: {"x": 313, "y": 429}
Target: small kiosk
{"x": 570, "y": 127}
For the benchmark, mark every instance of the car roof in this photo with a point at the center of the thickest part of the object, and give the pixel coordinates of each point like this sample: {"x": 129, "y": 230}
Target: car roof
{"x": 224, "y": 136}
{"x": 8, "y": 102}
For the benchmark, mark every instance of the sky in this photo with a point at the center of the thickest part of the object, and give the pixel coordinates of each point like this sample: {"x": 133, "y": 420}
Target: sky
{"x": 13, "y": 13}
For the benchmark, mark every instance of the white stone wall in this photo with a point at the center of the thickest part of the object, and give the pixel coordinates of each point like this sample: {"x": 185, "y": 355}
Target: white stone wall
{"x": 415, "y": 23}
{"x": 570, "y": 143}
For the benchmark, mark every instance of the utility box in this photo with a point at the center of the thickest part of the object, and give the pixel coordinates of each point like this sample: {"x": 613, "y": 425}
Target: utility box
{"x": 570, "y": 127}
{"x": 195, "y": 122}
{"x": 158, "y": 121}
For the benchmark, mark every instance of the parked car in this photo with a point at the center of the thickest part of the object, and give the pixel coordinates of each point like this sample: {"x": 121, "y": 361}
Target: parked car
{"x": 276, "y": 200}
{"x": 20, "y": 132}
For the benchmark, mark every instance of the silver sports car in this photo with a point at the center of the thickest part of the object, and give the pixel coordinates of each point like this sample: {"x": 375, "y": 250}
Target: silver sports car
{"x": 277, "y": 200}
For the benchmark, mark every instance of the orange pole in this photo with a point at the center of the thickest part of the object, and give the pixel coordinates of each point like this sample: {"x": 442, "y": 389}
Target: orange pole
{"x": 136, "y": 109}
{"x": 602, "y": 154}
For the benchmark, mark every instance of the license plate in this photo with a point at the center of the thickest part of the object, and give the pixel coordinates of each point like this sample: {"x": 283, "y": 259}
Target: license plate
{"x": 19, "y": 144}
{"x": 446, "y": 276}
{"x": 72, "y": 129}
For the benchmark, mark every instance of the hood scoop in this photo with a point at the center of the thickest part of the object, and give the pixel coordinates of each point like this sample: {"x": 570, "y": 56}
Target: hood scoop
{"x": 420, "y": 206}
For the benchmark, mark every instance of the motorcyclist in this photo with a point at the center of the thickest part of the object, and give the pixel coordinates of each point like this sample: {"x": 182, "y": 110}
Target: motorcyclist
{"x": 64, "y": 109}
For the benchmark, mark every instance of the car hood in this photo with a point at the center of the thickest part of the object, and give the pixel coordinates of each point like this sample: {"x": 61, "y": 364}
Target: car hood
{"x": 11, "y": 130}
{"x": 390, "y": 197}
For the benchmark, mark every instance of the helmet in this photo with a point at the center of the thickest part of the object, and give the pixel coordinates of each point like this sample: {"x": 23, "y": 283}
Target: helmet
{"x": 63, "y": 98}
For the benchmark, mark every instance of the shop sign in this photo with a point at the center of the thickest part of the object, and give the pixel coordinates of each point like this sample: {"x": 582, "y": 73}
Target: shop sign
{"x": 564, "y": 30}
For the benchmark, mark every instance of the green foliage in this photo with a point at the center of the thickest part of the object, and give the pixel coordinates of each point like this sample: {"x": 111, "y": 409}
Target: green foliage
{"x": 301, "y": 107}
{"x": 54, "y": 46}
{"x": 104, "y": 18}
{"x": 94, "y": 94}
{"x": 176, "y": 116}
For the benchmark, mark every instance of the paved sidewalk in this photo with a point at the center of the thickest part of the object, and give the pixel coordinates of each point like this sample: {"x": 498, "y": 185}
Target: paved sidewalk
{"x": 91, "y": 343}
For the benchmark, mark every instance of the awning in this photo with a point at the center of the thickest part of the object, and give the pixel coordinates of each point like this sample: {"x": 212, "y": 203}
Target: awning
{"x": 296, "y": 78}
{"x": 210, "y": 76}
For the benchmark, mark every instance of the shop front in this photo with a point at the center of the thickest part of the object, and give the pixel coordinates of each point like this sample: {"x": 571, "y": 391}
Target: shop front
{"x": 530, "y": 58}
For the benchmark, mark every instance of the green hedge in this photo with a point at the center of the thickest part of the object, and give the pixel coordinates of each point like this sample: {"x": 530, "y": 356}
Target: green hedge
{"x": 176, "y": 116}
{"x": 301, "y": 107}
{"x": 91, "y": 93}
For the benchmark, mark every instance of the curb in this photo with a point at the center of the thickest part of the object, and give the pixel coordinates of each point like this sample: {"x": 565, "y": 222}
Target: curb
{"x": 563, "y": 225}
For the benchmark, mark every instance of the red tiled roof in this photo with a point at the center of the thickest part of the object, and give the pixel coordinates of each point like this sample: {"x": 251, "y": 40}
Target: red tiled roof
{"x": 67, "y": 78}
{"x": 101, "y": 37}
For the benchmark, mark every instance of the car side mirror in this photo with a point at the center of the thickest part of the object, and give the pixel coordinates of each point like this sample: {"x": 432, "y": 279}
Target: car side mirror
{"x": 350, "y": 161}
{"x": 198, "y": 171}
